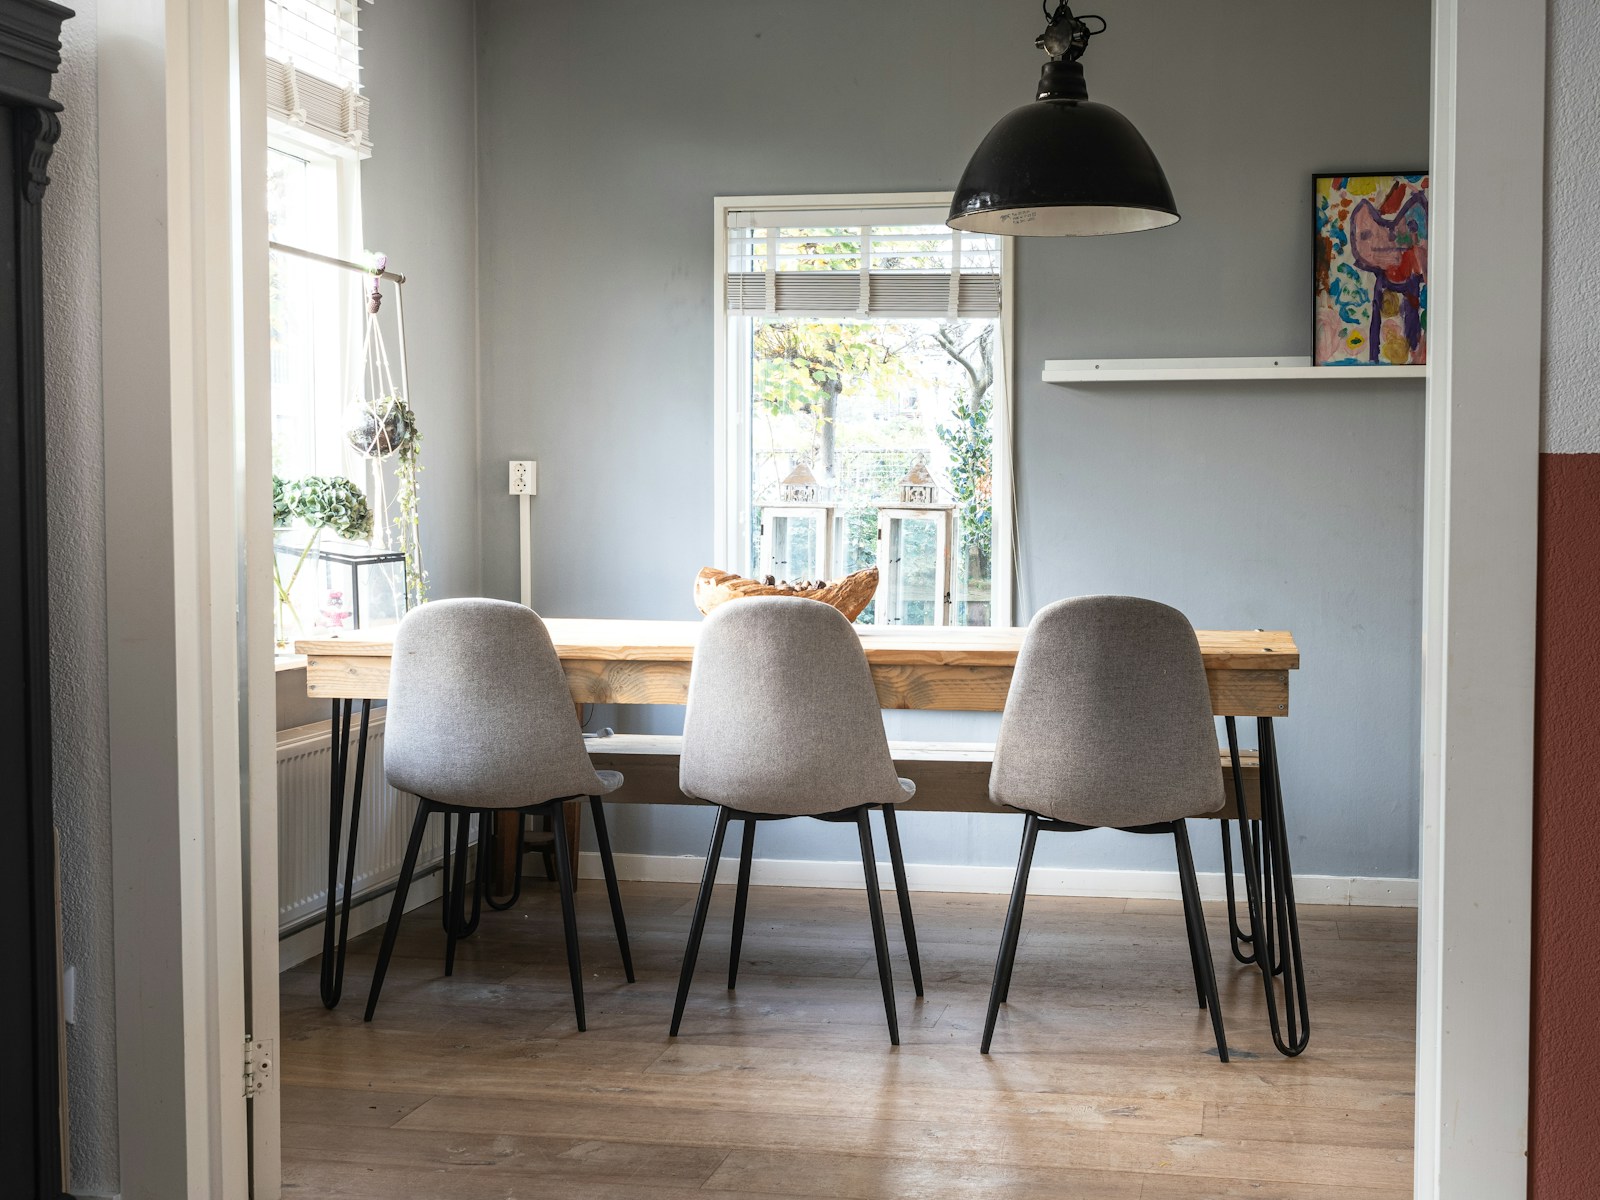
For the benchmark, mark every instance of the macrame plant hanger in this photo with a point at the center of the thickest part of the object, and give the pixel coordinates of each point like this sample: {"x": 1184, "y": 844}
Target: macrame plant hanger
{"x": 389, "y": 429}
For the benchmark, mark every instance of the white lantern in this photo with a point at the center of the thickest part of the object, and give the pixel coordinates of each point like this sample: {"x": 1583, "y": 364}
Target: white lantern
{"x": 797, "y": 530}
{"x": 914, "y": 540}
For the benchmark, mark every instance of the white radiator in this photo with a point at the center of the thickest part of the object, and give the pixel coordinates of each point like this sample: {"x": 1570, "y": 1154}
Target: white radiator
{"x": 386, "y": 815}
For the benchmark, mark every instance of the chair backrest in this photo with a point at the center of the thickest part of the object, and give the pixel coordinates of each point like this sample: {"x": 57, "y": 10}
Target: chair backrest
{"x": 1108, "y": 721}
{"x": 782, "y": 715}
{"x": 479, "y": 710}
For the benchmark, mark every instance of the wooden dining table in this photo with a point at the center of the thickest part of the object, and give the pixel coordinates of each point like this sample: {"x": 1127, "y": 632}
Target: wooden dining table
{"x": 610, "y": 661}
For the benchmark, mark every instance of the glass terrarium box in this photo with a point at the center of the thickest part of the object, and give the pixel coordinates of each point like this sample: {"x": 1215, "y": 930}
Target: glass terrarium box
{"x": 337, "y": 585}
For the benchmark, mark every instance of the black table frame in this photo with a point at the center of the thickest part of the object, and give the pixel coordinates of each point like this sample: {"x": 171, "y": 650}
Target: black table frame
{"x": 1272, "y": 941}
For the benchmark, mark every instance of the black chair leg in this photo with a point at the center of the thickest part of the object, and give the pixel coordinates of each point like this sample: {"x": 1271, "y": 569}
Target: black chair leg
{"x": 903, "y": 893}
{"x": 1193, "y": 918}
{"x": 569, "y": 921}
{"x": 1000, "y": 989}
{"x": 1197, "y": 924}
{"x": 697, "y": 926}
{"x": 446, "y": 866}
{"x": 549, "y": 851}
{"x": 397, "y": 909}
{"x": 741, "y": 897}
{"x": 1005, "y": 985}
{"x": 603, "y": 838}
{"x": 455, "y": 899}
{"x": 880, "y": 936}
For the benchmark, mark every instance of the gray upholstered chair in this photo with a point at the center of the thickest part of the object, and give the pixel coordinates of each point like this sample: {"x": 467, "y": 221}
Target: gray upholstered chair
{"x": 1108, "y": 724}
{"x": 783, "y": 721}
{"x": 480, "y": 721}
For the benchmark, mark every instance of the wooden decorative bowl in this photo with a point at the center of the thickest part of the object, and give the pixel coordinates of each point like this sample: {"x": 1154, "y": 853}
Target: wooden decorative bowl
{"x": 849, "y": 595}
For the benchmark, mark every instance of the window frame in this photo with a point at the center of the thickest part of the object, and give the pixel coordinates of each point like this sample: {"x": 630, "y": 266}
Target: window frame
{"x": 731, "y": 427}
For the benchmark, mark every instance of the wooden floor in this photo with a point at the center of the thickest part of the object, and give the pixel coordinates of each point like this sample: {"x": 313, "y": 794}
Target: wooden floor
{"x": 1103, "y": 1082}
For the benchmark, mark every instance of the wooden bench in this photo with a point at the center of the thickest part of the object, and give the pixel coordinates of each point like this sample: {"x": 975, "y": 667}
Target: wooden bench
{"x": 950, "y": 776}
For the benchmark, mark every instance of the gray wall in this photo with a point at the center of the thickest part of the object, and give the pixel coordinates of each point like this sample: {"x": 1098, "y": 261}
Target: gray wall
{"x": 78, "y": 605}
{"x": 602, "y": 147}
{"x": 418, "y": 198}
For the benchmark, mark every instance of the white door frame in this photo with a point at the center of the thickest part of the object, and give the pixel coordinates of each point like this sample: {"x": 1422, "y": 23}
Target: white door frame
{"x": 190, "y": 688}
{"x": 1475, "y": 893}
{"x": 174, "y": 275}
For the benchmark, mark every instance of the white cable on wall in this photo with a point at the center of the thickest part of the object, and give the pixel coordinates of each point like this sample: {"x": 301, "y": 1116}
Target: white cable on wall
{"x": 526, "y": 543}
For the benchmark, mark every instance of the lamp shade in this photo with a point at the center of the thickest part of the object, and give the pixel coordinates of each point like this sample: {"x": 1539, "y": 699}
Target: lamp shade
{"x": 1063, "y": 165}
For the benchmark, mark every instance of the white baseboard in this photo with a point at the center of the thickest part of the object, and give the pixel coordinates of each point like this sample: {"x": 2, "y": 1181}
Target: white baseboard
{"x": 298, "y": 947}
{"x": 1045, "y": 881}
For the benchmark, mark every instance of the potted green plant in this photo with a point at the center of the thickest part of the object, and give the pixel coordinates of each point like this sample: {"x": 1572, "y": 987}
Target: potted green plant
{"x": 318, "y": 503}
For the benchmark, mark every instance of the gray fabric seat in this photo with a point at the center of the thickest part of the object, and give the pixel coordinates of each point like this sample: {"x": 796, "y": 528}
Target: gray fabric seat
{"x": 783, "y": 718}
{"x": 1108, "y": 723}
{"x": 783, "y": 721}
{"x": 481, "y": 721}
{"x": 480, "y": 714}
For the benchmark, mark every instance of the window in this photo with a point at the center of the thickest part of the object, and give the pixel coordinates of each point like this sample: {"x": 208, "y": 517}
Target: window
{"x": 314, "y": 311}
{"x": 316, "y": 139}
{"x": 863, "y": 409}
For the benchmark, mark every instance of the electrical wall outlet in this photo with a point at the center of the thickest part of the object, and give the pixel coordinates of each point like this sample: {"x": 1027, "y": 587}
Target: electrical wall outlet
{"x": 524, "y": 477}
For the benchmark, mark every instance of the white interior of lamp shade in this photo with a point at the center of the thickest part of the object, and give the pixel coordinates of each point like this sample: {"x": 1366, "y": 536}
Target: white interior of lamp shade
{"x": 1066, "y": 221}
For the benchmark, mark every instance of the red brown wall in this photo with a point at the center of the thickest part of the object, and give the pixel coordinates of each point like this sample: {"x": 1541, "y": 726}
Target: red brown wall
{"x": 1564, "y": 1140}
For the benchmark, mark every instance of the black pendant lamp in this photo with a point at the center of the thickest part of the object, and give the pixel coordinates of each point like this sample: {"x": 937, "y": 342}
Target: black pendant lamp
{"x": 1063, "y": 165}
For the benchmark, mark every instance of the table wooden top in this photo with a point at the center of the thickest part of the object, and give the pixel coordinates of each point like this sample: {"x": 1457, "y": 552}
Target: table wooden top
{"x": 590, "y": 639}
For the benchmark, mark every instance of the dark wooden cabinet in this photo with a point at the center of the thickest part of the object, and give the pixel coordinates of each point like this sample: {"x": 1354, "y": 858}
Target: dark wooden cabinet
{"x": 30, "y": 1038}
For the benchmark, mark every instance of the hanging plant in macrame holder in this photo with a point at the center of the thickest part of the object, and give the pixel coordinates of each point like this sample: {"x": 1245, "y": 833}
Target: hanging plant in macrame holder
{"x": 381, "y": 426}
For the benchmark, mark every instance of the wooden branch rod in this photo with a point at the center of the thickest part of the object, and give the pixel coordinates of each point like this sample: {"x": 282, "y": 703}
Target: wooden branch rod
{"x": 329, "y": 260}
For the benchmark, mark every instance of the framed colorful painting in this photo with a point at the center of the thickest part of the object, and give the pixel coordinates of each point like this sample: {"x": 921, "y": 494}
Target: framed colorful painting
{"x": 1370, "y": 308}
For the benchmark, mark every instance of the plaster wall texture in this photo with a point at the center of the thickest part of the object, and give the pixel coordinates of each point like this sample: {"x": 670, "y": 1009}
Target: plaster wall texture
{"x": 1249, "y": 505}
{"x": 75, "y": 463}
{"x": 1572, "y": 214}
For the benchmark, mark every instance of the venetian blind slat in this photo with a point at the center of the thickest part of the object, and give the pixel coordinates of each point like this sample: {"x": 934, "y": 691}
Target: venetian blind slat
{"x": 904, "y": 264}
{"x": 314, "y": 69}
{"x": 891, "y": 294}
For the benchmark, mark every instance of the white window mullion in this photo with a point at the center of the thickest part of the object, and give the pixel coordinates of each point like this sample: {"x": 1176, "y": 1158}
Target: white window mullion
{"x": 772, "y": 270}
{"x": 864, "y": 303}
{"x": 953, "y": 304}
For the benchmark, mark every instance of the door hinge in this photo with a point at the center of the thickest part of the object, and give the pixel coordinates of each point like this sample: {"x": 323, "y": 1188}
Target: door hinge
{"x": 258, "y": 1072}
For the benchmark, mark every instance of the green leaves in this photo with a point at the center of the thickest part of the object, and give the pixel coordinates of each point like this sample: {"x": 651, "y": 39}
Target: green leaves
{"x": 323, "y": 502}
{"x": 970, "y": 441}
{"x": 282, "y": 514}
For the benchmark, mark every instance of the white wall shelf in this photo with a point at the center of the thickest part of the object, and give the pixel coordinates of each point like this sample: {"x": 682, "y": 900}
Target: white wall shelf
{"x": 1157, "y": 370}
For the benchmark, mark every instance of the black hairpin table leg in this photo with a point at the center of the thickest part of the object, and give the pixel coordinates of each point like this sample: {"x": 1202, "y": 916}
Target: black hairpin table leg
{"x": 1273, "y": 936}
{"x": 336, "y": 916}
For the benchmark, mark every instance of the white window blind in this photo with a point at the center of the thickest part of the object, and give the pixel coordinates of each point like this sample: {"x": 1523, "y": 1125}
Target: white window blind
{"x": 314, "y": 69}
{"x": 898, "y": 263}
